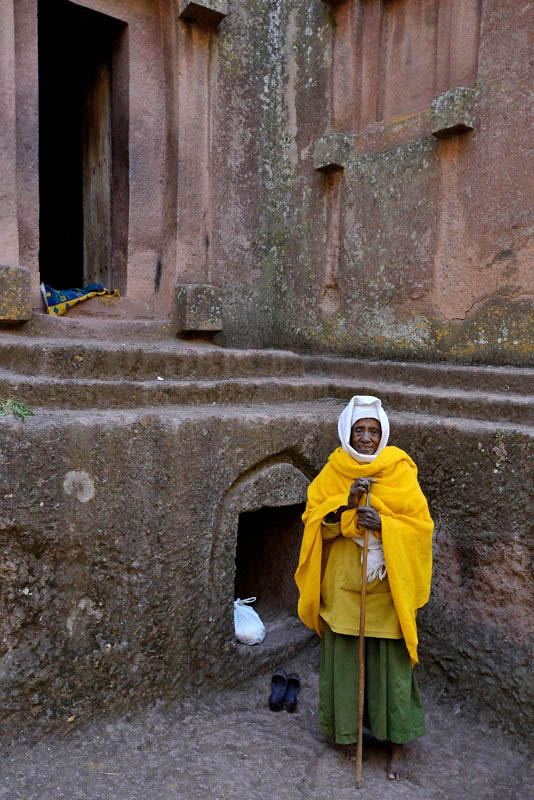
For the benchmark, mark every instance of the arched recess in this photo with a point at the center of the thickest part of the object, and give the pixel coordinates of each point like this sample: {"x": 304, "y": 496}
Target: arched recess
{"x": 267, "y": 486}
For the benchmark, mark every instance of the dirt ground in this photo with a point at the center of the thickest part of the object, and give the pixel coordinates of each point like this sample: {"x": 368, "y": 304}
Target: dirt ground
{"x": 231, "y": 746}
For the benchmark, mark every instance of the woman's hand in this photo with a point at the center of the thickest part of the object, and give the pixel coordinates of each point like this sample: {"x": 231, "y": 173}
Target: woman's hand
{"x": 357, "y": 491}
{"x": 369, "y": 518}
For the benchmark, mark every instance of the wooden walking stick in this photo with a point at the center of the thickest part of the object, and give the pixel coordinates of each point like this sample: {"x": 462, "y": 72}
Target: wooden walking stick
{"x": 361, "y": 649}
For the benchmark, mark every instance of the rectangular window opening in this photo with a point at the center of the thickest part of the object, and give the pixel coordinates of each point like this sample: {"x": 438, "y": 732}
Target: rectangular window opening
{"x": 268, "y": 545}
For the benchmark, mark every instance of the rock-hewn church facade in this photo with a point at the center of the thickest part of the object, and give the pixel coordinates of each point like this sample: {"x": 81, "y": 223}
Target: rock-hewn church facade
{"x": 348, "y": 176}
{"x": 298, "y": 201}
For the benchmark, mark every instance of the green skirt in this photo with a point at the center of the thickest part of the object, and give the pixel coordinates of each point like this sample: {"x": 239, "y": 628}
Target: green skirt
{"x": 392, "y": 705}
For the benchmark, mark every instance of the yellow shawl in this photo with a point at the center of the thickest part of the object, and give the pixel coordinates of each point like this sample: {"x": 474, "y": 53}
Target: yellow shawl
{"x": 406, "y": 533}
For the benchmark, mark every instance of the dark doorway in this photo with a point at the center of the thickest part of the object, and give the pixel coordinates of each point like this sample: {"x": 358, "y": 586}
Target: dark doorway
{"x": 268, "y": 545}
{"x": 83, "y": 146}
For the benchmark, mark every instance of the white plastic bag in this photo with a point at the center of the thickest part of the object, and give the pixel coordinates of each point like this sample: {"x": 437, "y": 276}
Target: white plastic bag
{"x": 249, "y": 629}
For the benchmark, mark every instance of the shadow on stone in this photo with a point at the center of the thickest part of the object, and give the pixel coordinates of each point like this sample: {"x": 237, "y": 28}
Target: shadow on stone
{"x": 268, "y": 543}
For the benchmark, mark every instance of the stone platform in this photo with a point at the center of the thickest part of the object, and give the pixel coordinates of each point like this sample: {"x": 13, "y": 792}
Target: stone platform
{"x": 125, "y": 497}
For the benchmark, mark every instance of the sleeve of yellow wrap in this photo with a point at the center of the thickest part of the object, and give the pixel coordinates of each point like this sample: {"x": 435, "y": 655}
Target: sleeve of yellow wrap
{"x": 330, "y": 530}
{"x": 308, "y": 574}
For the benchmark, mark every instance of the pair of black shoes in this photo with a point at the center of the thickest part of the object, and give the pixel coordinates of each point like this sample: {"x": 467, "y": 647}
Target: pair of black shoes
{"x": 284, "y": 691}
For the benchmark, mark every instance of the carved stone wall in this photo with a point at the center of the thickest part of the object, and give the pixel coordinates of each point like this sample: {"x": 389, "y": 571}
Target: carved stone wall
{"x": 418, "y": 248}
{"x": 407, "y": 241}
{"x": 118, "y": 532}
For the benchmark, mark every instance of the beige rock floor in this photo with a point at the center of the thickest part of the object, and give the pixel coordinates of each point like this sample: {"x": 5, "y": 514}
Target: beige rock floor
{"x": 230, "y": 746}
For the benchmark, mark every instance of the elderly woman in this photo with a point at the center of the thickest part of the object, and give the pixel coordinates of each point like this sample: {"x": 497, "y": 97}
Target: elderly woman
{"x": 398, "y": 582}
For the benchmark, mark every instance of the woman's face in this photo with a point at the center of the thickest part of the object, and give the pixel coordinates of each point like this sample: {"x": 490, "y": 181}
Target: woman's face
{"x": 365, "y": 436}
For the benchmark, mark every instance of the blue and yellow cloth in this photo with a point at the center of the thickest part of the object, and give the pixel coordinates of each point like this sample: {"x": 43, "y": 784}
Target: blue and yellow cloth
{"x": 58, "y": 301}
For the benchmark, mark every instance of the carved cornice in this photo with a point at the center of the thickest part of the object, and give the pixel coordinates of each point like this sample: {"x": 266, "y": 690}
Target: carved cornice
{"x": 203, "y": 12}
{"x": 453, "y": 112}
{"x": 332, "y": 152}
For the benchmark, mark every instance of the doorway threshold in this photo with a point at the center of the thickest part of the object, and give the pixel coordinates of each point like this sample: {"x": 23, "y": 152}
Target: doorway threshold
{"x": 94, "y": 327}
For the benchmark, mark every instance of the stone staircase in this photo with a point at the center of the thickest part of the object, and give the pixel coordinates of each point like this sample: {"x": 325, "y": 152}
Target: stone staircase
{"x": 79, "y": 371}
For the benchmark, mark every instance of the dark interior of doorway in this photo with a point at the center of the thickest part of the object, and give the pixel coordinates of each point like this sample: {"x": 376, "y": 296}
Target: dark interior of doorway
{"x": 74, "y": 45}
{"x": 268, "y": 545}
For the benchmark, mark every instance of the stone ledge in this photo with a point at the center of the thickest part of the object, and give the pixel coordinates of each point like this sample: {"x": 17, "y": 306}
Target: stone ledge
{"x": 284, "y": 638}
{"x": 453, "y": 112}
{"x": 332, "y": 152}
{"x": 15, "y": 297}
{"x": 198, "y": 308}
{"x": 204, "y": 12}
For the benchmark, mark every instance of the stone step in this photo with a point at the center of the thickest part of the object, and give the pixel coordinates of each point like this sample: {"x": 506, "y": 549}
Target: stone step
{"x": 90, "y": 393}
{"x": 324, "y": 409}
{"x": 174, "y": 359}
{"x": 111, "y": 361}
{"x": 496, "y": 380}
{"x": 44, "y": 391}
{"x": 100, "y": 328}
{"x": 284, "y": 637}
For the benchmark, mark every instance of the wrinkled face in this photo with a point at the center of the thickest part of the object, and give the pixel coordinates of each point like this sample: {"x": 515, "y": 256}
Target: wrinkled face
{"x": 365, "y": 436}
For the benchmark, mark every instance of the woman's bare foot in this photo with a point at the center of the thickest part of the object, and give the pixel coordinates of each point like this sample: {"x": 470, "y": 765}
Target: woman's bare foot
{"x": 347, "y": 751}
{"x": 397, "y": 769}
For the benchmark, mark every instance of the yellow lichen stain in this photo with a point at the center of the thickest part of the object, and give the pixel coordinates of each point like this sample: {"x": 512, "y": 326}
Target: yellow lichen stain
{"x": 229, "y": 58}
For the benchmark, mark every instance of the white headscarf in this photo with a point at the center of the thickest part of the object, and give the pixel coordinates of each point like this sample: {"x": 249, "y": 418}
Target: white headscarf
{"x": 362, "y": 406}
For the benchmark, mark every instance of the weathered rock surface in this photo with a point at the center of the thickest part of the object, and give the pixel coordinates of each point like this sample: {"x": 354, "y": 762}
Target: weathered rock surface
{"x": 230, "y": 746}
{"x": 121, "y": 528}
{"x": 15, "y": 299}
